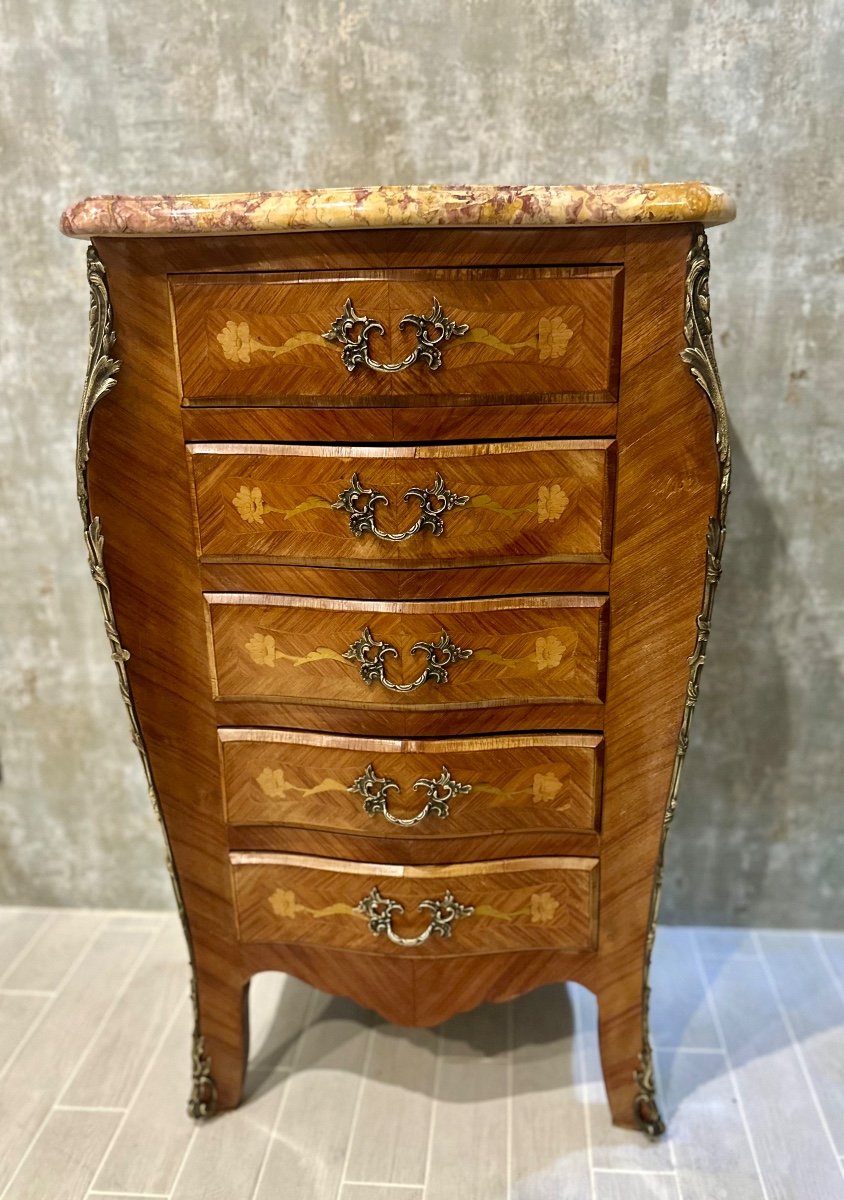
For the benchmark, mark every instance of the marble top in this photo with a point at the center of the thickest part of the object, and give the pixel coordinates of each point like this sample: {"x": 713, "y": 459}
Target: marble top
{"x": 383, "y": 207}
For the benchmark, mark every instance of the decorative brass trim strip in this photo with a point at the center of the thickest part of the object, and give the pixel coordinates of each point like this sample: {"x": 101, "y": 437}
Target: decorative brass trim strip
{"x": 700, "y": 357}
{"x": 100, "y": 378}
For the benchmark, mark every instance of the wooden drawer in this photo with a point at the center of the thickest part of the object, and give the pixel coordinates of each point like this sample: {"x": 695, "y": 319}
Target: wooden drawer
{"x": 517, "y": 904}
{"x": 531, "y": 332}
{"x": 464, "y": 654}
{"x": 428, "y": 788}
{"x": 424, "y": 506}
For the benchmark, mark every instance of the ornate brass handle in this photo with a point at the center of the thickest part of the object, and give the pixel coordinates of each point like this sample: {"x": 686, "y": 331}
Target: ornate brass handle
{"x": 359, "y": 502}
{"x": 374, "y": 789}
{"x": 379, "y": 910}
{"x": 371, "y": 654}
{"x": 356, "y": 349}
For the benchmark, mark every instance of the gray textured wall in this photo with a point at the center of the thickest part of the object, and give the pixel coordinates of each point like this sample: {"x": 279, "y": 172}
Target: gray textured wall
{"x": 204, "y": 96}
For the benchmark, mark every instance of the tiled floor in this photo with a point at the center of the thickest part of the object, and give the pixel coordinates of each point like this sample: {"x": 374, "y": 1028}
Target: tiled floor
{"x": 503, "y": 1104}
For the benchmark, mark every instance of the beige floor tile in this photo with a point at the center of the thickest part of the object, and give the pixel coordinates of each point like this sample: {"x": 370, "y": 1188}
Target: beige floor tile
{"x": 152, "y": 1142}
{"x": 815, "y": 1011}
{"x": 793, "y": 1149}
{"x": 390, "y": 1140}
{"x": 549, "y": 1154}
{"x": 226, "y": 1156}
{"x": 713, "y": 1153}
{"x": 308, "y": 1149}
{"x": 470, "y": 1131}
{"x": 17, "y": 1013}
{"x": 356, "y": 1191}
{"x": 18, "y": 929}
{"x": 626, "y": 1186}
{"x": 48, "y": 959}
{"x": 121, "y": 1051}
{"x": 46, "y": 1059}
{"x": 64, "y": 1157}
{"x": 278, "y": 1015}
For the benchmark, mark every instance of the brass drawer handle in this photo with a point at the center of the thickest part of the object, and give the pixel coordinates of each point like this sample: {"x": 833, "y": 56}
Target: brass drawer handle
{"x": 371, "y": 654}
{"x": 355, "y": 351}
{"x": 379, "y": 910}
{"x": 374, "y": 788}
{"x": 359, "y": 502}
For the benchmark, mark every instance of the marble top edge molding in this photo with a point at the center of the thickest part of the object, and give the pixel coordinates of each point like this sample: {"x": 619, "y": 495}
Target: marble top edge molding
{"x": 430, "y": 205}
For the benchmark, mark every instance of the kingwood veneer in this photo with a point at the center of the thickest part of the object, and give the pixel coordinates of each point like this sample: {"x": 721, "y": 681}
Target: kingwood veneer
{"x": 410, "y": 654}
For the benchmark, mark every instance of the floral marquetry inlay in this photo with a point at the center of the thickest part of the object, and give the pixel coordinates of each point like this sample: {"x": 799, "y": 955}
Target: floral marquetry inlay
{"x": 262, "y": 649}
{"x": 551, "y": 503}
{"x": 238, "y": 345}
{"x": 546, "y": 787}
{"x": 252, "y": 507}
{"x": 549, "y": 652}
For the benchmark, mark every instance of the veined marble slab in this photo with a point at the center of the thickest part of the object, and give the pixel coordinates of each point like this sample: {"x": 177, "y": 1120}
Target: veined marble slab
{"x": 383, "y": 207}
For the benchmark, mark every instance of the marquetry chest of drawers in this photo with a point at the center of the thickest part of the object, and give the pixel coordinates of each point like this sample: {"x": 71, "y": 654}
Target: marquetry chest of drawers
{"x": 406, "y": 509}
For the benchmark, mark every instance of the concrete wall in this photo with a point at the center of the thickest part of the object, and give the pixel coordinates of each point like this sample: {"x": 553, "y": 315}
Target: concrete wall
{"x": 204, "y": 96}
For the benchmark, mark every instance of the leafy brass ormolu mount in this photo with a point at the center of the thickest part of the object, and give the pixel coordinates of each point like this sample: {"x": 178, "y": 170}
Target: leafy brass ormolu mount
{"x": 699, "y": 354}
{"x": 100, "y": 378}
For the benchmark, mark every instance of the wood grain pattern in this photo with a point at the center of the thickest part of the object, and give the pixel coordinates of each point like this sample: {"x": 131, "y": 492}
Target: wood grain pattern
{"x": 521, "y": 904}
{"x": 665, "y": 492}
{"x": 535, "y": 501}
{"x": 261, "y": 336}
{"x": 517, "y": 784}
{"x": 525, "y": 648}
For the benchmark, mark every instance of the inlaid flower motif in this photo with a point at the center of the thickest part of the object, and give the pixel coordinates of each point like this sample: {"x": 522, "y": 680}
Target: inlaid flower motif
{"x": 284, "y": 903}
{"x": 550, "y": 502}
{"x": 249, "y": 502}
{"x": 554, "y": 337}
{"x": 549, "y": 652}
{"x": 542, "y": 908}
{"x": 546, "y": 787}
{"x": 235, "y": 341}
{"x": 271, "y": 781}
{"x": 261, "y": 649}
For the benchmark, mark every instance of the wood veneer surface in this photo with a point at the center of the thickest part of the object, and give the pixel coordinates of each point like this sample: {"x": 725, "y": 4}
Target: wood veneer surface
{"x": 666, "y": 489}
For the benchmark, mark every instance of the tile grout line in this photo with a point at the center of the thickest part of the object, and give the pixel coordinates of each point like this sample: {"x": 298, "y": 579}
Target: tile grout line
{"x": 719, "y": 1029}
{"x": 797, "y": 1047}
{"x": 49, "y": 1005}
{"x": 152, "y": 1056}
{"x": 294, "y": 1062}
{"x": 435, "y": 1089}
{"x": 367, "y": 1059}
{"x": 31, "y": 941}
{"x": 181, "y": 1169}
{"x": 142, "y": 954}
{"x": 575, "y": 994}
{"x": 112, "y": 1108}
{"x": 634, "y": 1171}
{"x": 26, "y": 992}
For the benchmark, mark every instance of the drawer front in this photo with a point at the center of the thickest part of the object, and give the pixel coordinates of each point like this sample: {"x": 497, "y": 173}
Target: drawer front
{"x": 442, "y": 505}
{"x": 536, "y": 332}
{"x": 462, "y": 654}
{"x": 517, "y": 904}
{"x": 432, "y": 788}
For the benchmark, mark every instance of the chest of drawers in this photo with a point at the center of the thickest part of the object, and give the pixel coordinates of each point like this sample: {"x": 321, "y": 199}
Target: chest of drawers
{"x": 406, "y": 509}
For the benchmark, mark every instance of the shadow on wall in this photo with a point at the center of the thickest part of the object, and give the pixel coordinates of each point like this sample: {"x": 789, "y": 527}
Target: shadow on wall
{"x": 739, "y": 822}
